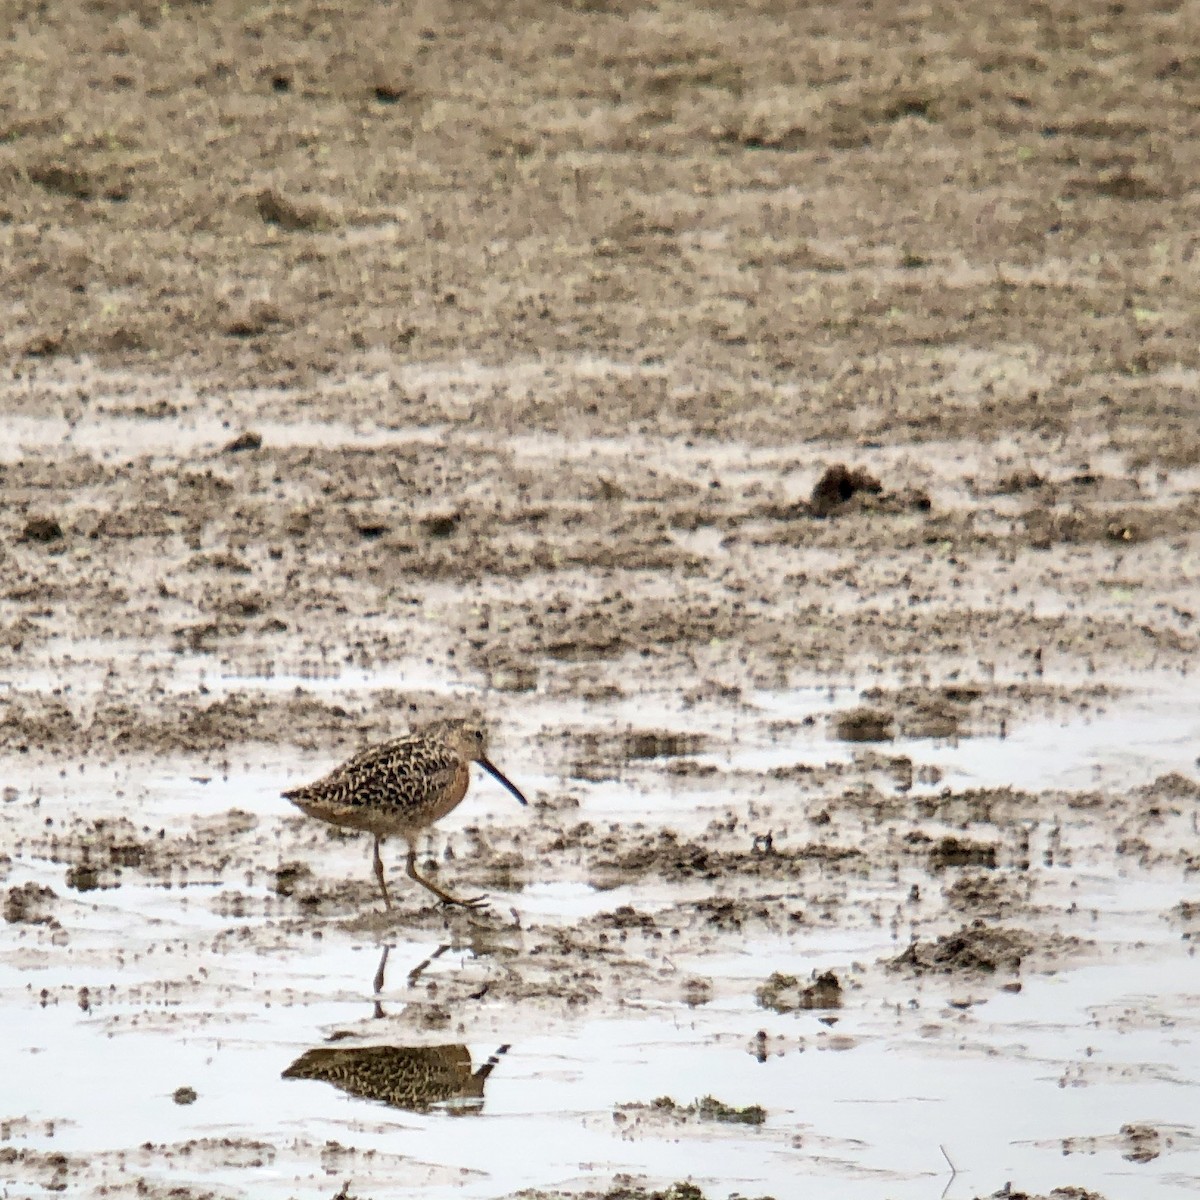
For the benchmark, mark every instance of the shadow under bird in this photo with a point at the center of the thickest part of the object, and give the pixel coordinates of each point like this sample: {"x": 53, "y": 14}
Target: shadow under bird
{"x": 399, "y": 788}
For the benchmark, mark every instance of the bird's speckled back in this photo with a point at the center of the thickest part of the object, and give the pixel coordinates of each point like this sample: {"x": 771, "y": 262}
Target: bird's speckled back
{"x": 385, "y": 787}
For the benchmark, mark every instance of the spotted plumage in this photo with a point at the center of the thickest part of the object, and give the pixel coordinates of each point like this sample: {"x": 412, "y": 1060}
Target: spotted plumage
{"x": 400, "y": 788}
{"x": 409, "y": 1077}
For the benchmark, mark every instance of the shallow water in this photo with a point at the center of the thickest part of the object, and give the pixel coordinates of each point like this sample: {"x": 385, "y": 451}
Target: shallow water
{"x": 874, "y": 1100}
{"x": 200, "y": 984}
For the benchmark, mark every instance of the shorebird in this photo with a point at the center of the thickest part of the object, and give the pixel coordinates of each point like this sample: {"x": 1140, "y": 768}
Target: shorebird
{"x": 400, "y": 788}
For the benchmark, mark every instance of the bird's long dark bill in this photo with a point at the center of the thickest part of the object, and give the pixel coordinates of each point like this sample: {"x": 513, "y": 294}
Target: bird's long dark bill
{"x": 500, "y": 777}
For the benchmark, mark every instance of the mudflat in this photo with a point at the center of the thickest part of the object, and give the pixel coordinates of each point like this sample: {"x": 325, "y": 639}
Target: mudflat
{"x": 780, "y": 422}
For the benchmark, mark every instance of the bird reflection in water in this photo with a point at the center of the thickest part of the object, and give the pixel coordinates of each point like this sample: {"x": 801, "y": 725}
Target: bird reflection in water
{"x": 414, "y": 1078}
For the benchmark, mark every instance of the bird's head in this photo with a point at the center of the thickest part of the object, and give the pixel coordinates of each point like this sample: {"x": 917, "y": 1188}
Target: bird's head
{"x": 468, "y": 737}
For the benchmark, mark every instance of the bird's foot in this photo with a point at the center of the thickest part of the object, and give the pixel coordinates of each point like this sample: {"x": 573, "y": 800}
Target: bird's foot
{"x": 475, "y": 903}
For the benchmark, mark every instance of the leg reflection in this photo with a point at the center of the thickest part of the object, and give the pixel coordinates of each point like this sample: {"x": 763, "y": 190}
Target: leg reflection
{"x": 413, "y": 975}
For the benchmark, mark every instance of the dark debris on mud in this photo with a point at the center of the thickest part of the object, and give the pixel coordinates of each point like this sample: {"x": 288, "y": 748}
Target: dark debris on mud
{"x": 625, "y": 1187}
{"x": 29, "y": 904}
{"x": 975, "y": 949}
{"x": 674, "y": 857}
{"x": 706, "y": 1109}
{"x": 200, "y": 725}
{"x": 786, "y": 993}
{"x": 1008, "y": 1192}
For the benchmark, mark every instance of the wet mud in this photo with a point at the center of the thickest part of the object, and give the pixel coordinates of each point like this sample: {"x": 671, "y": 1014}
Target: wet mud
{"x": 779, "y": 422}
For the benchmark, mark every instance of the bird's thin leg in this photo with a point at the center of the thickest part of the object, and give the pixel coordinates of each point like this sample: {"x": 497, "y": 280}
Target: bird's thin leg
{"x": 387, "y": 900}
{"x": 443, "y": 896}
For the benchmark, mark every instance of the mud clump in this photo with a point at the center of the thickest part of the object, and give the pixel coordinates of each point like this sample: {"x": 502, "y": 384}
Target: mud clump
{"x": 838, "y": 485}
{"x": 673, "y": 858}
{"x": 1059, "y": 1193}
{"x": 439, "y": 526}
{"x": 277, "y": 209}
{"x": 508, "y": 673}
{"x": 37, "y": 724}
{"x": 601, "y": 755}
{"x": 785, "y": 993}
{"x": 627, "y": 917}
{"x": 1143, "y": 1143}
{"x": 956, "y": 852}
{"x": 505, "y": 872}
{"x": 934, "y": 720}
{"x": 288, "y": 876}
{"x": 658, "y": 743}
{"x": 863, "y": 725}
{"x": 104, "y": 851}
{"x": 41, "y": 529}
{"x": 1171, "y": 787}
{"x": 244, "y": 441}
{"x": 927, "y": 712}
{"x": 83, "y": 877}
{"x": 1015, "y": 482}
{"x": 75, "y": 183}
{"x": 707, "y": 1108}
{"x": 717, "y": 912}
{"x": 984, "y": 896}
{"x": 252, "y": 322}
{"x": 976, "y": 949}
{"x": 624, "y": 1188}
{"x": 840, "y": 489}
{"x": 29, "y": 904}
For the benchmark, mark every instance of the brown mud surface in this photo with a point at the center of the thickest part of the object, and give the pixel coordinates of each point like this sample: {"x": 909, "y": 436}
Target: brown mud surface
{"x": 780, "y": 421}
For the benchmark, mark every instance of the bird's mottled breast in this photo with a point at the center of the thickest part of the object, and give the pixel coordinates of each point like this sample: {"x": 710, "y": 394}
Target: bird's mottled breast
{"x": 452, "y": 796}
